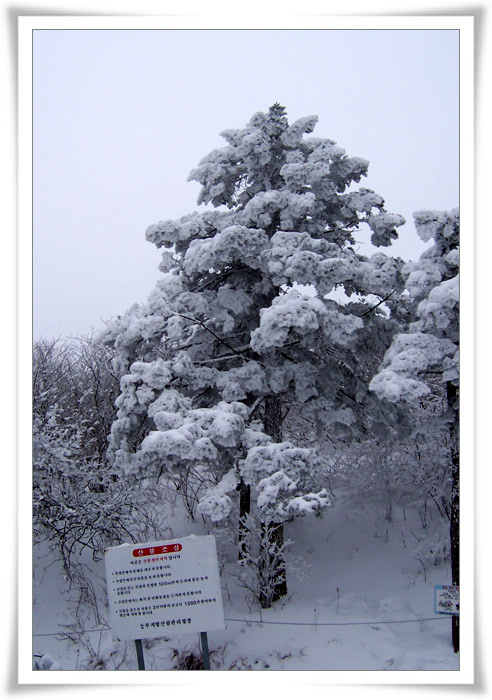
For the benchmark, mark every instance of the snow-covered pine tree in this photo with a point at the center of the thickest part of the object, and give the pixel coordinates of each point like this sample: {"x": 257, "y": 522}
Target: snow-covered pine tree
{"x": 430, "y": 346}
{"x": 244, "y": 324}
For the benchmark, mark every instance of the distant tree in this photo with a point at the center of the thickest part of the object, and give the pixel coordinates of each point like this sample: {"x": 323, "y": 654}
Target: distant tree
{"x": 265, "y": 307}
{"x": 430, "y": 345}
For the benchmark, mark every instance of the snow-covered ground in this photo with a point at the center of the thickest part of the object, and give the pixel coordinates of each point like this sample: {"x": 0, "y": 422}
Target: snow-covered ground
{"x": 358, "y": 600}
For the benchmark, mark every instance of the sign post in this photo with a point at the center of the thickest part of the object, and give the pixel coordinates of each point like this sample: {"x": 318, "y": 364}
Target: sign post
{"x": 205, "y": 654}
{"x": 163, "y": 588}
{"x": 140, "y": 656}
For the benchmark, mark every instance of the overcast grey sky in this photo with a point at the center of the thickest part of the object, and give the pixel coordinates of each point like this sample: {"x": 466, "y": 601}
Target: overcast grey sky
{"x": 120, "y": 117}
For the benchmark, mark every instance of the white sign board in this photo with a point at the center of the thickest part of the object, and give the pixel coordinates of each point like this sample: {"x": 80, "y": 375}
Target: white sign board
{"x": 158, "y": 589}
{"x": 447, "y": 600}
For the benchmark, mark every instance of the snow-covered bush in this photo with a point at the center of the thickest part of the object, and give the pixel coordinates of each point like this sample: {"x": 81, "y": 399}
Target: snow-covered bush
{"x": 79, "y": 500}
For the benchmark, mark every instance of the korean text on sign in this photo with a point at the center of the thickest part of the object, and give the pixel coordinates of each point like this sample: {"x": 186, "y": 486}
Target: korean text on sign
{"x": 161, "y": 587}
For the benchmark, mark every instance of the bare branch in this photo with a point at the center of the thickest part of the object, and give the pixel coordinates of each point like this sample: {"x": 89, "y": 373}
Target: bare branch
{"x": 379, "y": 304}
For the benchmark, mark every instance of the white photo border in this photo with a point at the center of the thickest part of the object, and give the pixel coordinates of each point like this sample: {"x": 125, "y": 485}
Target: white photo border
{"x": 205, "y": 20}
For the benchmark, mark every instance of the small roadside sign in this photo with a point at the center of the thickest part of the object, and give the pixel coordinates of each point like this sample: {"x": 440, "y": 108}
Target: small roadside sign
{"x": 447, "y": 600}
{"x": 160, "y": 589}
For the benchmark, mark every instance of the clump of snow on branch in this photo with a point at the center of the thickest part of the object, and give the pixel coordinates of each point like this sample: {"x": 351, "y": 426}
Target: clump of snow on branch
{"x": 275, "y": 498}
{"x": 383, "y": 227}
{"x": 410, "y": 355}
{"x": 296, "y": 312}
{"x": 281, "y": 475}
{"x": 431, "y": 224}
{"x": 439, "y": 310}
{"x": 293, "y": 135}
{"x": 216, "y": 503}
{"x": 233, "y": 243}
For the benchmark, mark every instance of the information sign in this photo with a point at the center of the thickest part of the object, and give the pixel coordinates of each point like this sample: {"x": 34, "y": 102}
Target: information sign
{"x": 447, "y": 600}
{"x": 158, "y": 589}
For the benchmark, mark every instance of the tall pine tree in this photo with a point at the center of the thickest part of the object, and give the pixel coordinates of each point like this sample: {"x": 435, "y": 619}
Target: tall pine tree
{"x": 264, "y": 304}
{"x": 429, "y": 347}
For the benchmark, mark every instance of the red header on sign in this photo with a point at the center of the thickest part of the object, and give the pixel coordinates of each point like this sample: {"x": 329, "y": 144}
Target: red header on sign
{"x": 161, "y": 549}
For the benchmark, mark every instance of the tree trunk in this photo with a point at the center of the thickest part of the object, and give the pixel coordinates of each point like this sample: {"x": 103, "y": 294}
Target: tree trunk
{"x": 272, "y": 583}
{"x": 455, "y": 504}
{"x": 244, "y": 510}
{"x": 387, "y": 484}
{"x": 280, "y": 578}
{"x": 272, "y": 424}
